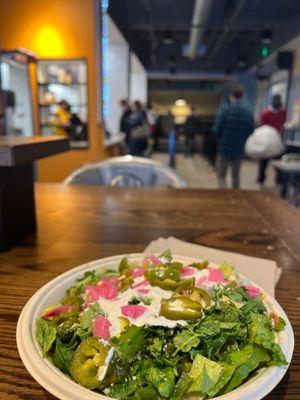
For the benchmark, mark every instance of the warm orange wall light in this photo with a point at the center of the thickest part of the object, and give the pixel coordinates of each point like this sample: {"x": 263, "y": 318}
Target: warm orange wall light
{"x": 48, "y": 42}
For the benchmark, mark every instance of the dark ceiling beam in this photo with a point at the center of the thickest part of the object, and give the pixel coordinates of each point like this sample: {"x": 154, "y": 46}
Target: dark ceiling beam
{"x": 240, "y": 26}
{"x": 189, "y": 76}
{"x": 154, "y": 39}
{"x": 226, "y": 29}
{"x": 159, "y": 28}
{"x": 247, "y": 49}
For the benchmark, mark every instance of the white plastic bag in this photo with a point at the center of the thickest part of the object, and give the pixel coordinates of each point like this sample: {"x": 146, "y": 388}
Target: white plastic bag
{"x": 265, "y": 142}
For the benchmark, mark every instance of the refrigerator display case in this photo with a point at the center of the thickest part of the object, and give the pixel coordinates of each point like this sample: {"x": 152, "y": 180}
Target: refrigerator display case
{"x": 62, "y": 97}
{"x": 16, "y": 117}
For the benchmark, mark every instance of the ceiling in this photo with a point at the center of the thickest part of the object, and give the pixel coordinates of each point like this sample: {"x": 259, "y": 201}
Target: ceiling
{"x": 158, "y": 30}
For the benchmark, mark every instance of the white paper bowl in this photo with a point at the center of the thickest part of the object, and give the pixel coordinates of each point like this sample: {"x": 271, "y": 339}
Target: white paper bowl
{"x": 53, "y": 380}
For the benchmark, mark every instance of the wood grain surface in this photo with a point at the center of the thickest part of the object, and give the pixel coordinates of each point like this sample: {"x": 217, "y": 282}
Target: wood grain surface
{"x": 17, "y": 150}
{"x": 80, "y": 224}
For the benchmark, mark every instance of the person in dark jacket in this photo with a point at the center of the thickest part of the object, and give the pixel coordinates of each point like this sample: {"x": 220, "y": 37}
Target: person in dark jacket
{"x": 232, "y": 127}
{"x": 191, "y": 129}
{"x": 139, "y": 130}
{"x": 124, "y": 122}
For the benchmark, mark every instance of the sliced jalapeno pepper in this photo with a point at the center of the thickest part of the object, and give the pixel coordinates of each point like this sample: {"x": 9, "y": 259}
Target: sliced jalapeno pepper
{"x": 188, "y": 283}
{"x": 195, "y": 294}
{"x": 88, "y": 357}
{"x": 162, "y": 274}
{"x": 166, "y": 284}
{"x": 66, "y": 329}
{"x": 126, "y": 282}
{"x": 168, "y": 278}
{"x": 124, "y": 266}
{"x": 74, "y": 301}
{"x": 174, "y": 265}
{"x": 125, "y": 272}
{"x": 180, "y": 307}
{"x": 200, "y": 264}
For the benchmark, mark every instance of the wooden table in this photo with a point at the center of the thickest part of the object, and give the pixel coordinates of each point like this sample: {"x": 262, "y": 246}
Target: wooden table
{"x": 17, "y": 203}
{"x": 76, "y": 225}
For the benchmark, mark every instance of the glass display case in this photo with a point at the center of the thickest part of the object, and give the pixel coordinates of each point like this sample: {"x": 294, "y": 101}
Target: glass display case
{"x": 16, "y": 111}
{"x": 63, "y": 100}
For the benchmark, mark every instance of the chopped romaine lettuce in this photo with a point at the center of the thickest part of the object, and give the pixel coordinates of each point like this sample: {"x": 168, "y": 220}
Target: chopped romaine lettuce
{"x": 162, "y": 379}
{"x": 226, "y": 374}
{"x": 185, "y": 341}
{"x": 227, "y": 269}
{"x": 46, "y": 334}
{"x": 205, "y": 374}
{"x": 123, "y": 390}
{"x": 167, "y": 255}
{"x": 130, "y": 342}
{"x": 63, "y": 354}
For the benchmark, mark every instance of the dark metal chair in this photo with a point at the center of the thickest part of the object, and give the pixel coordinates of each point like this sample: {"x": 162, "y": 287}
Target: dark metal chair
{"x": 289, "y": 168}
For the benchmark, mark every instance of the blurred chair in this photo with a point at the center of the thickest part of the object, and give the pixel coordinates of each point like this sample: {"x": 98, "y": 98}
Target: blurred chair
{"x": 126, "y": 171}
{"x": 289, "y": 168}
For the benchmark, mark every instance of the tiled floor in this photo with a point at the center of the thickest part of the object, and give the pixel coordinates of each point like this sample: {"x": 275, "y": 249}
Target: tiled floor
{"x": 199, "y": 173}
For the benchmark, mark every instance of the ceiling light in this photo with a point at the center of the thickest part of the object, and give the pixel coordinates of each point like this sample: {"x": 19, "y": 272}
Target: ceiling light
{"x": 266, "y": 36}
{"x": 168, "y": 37}
{"x": 180, "y": 103}
{"x": 242, "y": 61}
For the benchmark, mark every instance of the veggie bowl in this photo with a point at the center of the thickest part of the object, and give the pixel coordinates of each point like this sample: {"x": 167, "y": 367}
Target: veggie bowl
{"x": 154, "y": 327}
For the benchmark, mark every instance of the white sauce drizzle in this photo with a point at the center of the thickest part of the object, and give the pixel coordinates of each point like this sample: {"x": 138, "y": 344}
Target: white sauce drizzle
{"x": 151, "y": 317}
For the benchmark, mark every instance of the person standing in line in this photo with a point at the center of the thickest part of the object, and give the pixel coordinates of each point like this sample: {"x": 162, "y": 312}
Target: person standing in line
{"x": 170, "y": 128}
{"x": 152, "y": 118}
{"x": 139, "y": 130}
{"x": 233, "y": 125}
{"x": 124, "y": 122}
{"x": 275, "y": 116}
{"x": 169, "y": 123}
{"x": 191, "y": 129}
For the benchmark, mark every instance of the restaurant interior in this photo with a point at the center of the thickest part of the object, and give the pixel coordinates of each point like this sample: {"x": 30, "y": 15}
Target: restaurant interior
{"x": 145, "y": 128}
